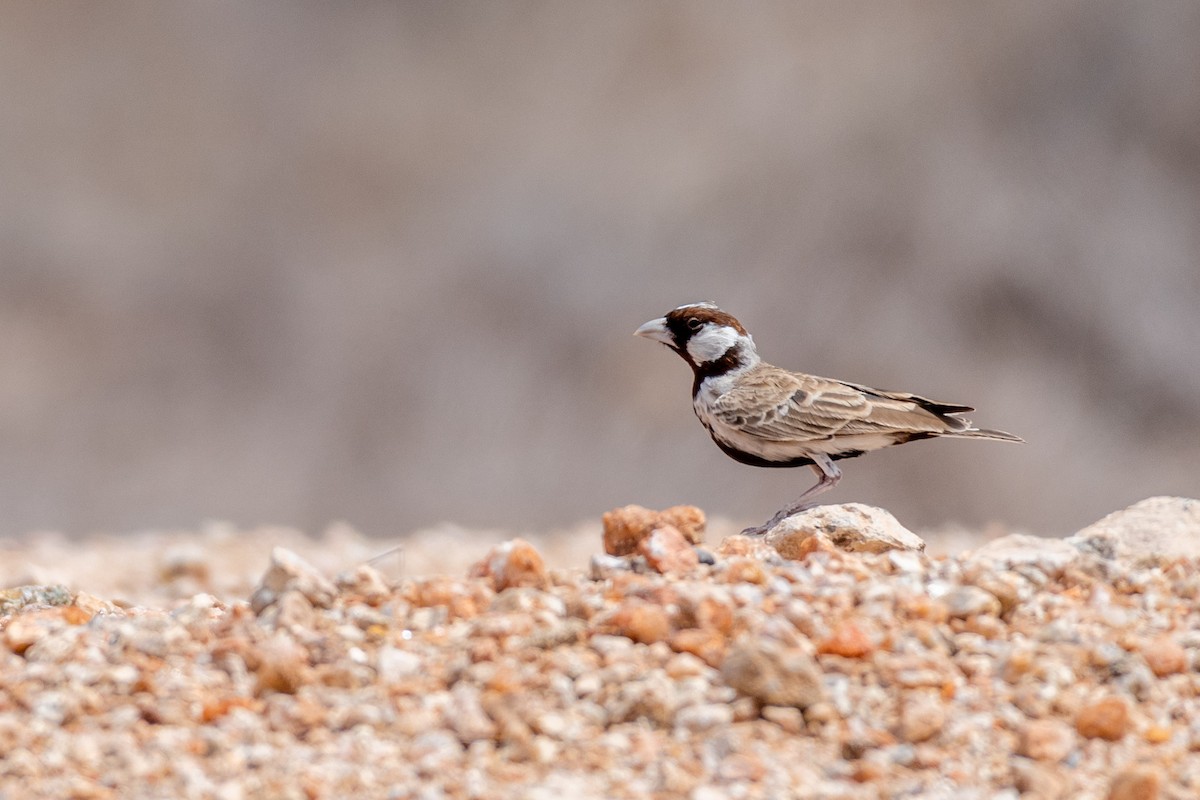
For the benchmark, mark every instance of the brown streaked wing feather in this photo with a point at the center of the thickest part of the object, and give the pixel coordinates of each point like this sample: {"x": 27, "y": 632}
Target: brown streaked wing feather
{"x": 781, "y": 406}
{"x": 936, "y": 406}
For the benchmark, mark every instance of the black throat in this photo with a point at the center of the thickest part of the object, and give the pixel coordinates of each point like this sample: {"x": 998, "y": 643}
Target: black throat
{"x": 733, "y": 359}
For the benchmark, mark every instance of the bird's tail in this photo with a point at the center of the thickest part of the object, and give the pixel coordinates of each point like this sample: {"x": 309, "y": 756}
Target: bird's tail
{"x": 985, "y": 433}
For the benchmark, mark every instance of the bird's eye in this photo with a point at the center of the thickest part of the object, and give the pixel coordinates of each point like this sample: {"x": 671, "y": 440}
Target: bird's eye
{"x": 694, "y": 324}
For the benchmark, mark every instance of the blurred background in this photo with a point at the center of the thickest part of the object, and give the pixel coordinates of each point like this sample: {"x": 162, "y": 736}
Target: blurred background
{"x": 374, "y": 262}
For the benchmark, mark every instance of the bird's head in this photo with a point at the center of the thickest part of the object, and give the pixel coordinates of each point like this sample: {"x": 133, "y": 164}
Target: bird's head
{"x": 709, "y": 339}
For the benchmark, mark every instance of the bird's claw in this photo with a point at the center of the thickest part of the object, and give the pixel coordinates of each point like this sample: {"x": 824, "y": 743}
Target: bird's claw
{"x": 787, "y": 513}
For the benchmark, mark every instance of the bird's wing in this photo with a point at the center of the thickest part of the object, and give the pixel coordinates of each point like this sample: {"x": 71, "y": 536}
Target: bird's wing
{"x": 781, "y": 406}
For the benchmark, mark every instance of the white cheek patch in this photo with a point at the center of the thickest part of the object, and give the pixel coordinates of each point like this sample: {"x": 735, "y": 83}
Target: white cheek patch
{"x": 711, "y": 342}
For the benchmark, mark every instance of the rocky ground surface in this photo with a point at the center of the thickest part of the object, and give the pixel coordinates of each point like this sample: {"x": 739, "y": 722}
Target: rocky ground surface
{"x": 833, "y": 658}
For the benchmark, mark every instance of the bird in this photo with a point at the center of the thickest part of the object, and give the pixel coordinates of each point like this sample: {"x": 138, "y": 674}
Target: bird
{"x": 765, "y": 416}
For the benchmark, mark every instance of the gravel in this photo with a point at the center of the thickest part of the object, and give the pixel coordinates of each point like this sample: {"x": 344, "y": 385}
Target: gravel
{"x": 1018, "y": 670}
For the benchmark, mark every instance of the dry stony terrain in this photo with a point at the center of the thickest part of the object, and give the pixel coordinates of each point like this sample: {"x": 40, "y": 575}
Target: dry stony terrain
{"x": 833, "y": 658}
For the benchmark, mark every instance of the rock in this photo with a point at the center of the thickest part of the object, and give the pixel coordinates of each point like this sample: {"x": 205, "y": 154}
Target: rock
{"x": 626, "y": 527}
{"x": 394, "y": 665}
{"x": 707, "y": 645}
{"x": 290, "y": 610}
{"x": 289, "y": 571}
{"x": 1164, "y": 656}
{"x": 922, "y": 715}
{"x": 1051, "y": 556}
{"x": 1141, "y": 782}
{"x": 467, "y": 717}
{"x": 848, "y": 640}
{"x": 1107, "y": 719}
{"x": 27, "y": 628}
{"x": 799, "y": 548}
{"x": 1145, "y": 532}
{"x": 740, "y": 569}
{"x": 602, "y": 566}
{"x": 637, "y": 620}
{"x": 772, "y": 673}
{"x": 1005, "y": 587}
{"x": 19, "y": 597}
{"x": 280, "y": 664}
{"x": 185, "y": 561}
{"x": 749, "y": 546}
{"x": 366, "y": 582}
{"x": 704, "y": 717}
{"x": 511, "y": 564}
{"x": 667, "y": 551}
{"x": 688, "y": 520}
{"x": 789, "y": 718}
{"x": 852, "y": 526}
{"x": 1046, "y": 740}
{"x": 90, "y": 605}
{"x": 1040, "y": 780}
{"x": 970, "y": 601}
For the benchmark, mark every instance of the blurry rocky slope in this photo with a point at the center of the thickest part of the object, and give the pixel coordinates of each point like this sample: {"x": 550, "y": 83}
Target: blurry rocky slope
{"x": 382, "y": 262}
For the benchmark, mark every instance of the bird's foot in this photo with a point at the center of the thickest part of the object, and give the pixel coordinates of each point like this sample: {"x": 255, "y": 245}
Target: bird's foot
{"x": 791, "y": 511}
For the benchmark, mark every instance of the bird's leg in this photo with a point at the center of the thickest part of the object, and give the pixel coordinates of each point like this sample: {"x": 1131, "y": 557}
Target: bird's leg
{"x": 828, "y": 474}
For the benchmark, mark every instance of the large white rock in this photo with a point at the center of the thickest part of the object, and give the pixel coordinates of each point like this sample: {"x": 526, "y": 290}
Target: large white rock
{"x": 1158, "y": 527}
{"x": 854, "y": 527}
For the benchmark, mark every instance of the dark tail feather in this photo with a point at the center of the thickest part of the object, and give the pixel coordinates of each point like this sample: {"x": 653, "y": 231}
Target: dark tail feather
{"x": 985, "y": 433}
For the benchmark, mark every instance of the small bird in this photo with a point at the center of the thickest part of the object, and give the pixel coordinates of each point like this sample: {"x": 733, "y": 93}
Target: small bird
{"x": 765, "y": 416}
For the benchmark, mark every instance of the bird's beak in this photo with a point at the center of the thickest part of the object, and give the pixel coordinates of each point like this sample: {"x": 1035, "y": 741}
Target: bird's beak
{"x": 657, "y": 330}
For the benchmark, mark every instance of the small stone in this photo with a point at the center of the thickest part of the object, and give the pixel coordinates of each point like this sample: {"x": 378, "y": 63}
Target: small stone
{"x": 1046, "y": 740}
{"x": 19, "y": 597}
{"x": 707, "y": 645}
{"x": 789, "y": 718}
{"x": 510, "y": 564}
{"x": 291, "y": 610}
{"x": 466, "y": 716}
{"x": 639, "y": 621}
{"x": 740, "y": 569}
{"x": 749, "y": 546}
{"x": 290, "y": 571}
{"x": 922, "y": 716}
{"x": 1164, "y": 656}
{"x": 820, "y": 713}
{"x": 799, "y": 548}
{"x": 740, "y": 768}
{"x": 1002, "y": 587}
{"x": 688, "y": 520}
{"x": 1040, "y": 780}
{"x": 848, "y": 640}
{"x": 1107, "y": 719}
{"x": 970, "y": 601}
{"x": 1157, "y": 734}
{"x": 394, "y": 665}
{"x": 1136, "y": 783}
{"x": 704, "y": 717}
{"x": 668, "y": 552}
{"x": 27, "y": 628}
{"x": 773, "y": 673}
{"x": 366, "y": 582}
{"x": 91, "y": 605}
{"x": 626, "y": 527}
{"x": 185, "y": 561}
{"x": 603, "y": 566}
{"x": 280, "y": 664}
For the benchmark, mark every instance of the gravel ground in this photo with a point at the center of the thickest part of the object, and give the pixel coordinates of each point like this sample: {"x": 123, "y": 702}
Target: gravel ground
{"x": 209, "y": 665}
